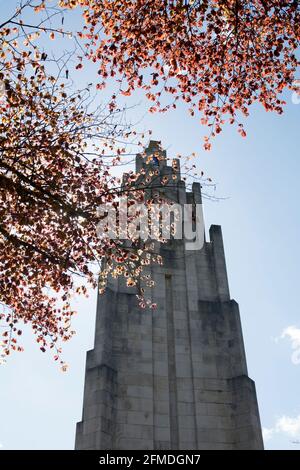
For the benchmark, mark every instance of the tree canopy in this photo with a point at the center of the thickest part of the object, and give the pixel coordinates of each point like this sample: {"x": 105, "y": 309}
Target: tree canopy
{"x": 58, "y": 154}
{"x": 218, "y": 56}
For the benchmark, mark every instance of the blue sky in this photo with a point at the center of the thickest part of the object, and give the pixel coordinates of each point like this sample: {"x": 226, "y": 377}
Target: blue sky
{"x": 259, "y": 176}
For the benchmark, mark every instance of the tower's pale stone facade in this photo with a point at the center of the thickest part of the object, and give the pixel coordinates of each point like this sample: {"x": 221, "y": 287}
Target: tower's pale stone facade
{"x": 176, "y": 377}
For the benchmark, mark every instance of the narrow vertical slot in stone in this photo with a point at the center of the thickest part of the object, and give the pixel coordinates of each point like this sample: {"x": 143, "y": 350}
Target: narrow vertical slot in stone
{"x": 171, "y": 365}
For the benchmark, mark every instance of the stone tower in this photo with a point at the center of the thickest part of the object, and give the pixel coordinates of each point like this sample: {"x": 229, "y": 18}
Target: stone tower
{"x": 176, "y": 377}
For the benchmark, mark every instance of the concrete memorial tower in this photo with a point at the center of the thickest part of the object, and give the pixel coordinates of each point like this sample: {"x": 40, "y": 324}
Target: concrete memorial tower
{"x": 175, "y": 377}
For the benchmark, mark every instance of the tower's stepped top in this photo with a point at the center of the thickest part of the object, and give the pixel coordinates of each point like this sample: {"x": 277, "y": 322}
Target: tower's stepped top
{"x": 169, "y": 179}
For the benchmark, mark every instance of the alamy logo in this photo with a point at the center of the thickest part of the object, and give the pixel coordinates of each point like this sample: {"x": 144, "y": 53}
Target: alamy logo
{"x": 296, "y": 93}
{"x": 132, "y": 221}
{"x": 2, "y": 90}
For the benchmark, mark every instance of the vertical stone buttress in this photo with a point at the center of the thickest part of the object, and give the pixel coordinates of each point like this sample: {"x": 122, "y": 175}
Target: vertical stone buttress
{"x": 173, "y": 378}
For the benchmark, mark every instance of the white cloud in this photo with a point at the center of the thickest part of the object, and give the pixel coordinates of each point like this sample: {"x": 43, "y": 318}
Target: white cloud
{"x": 288, "y": 425}
{"x": 293, "y": 334}
{"x": 267, "y": 433}
{"x": 283, "y": 425}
